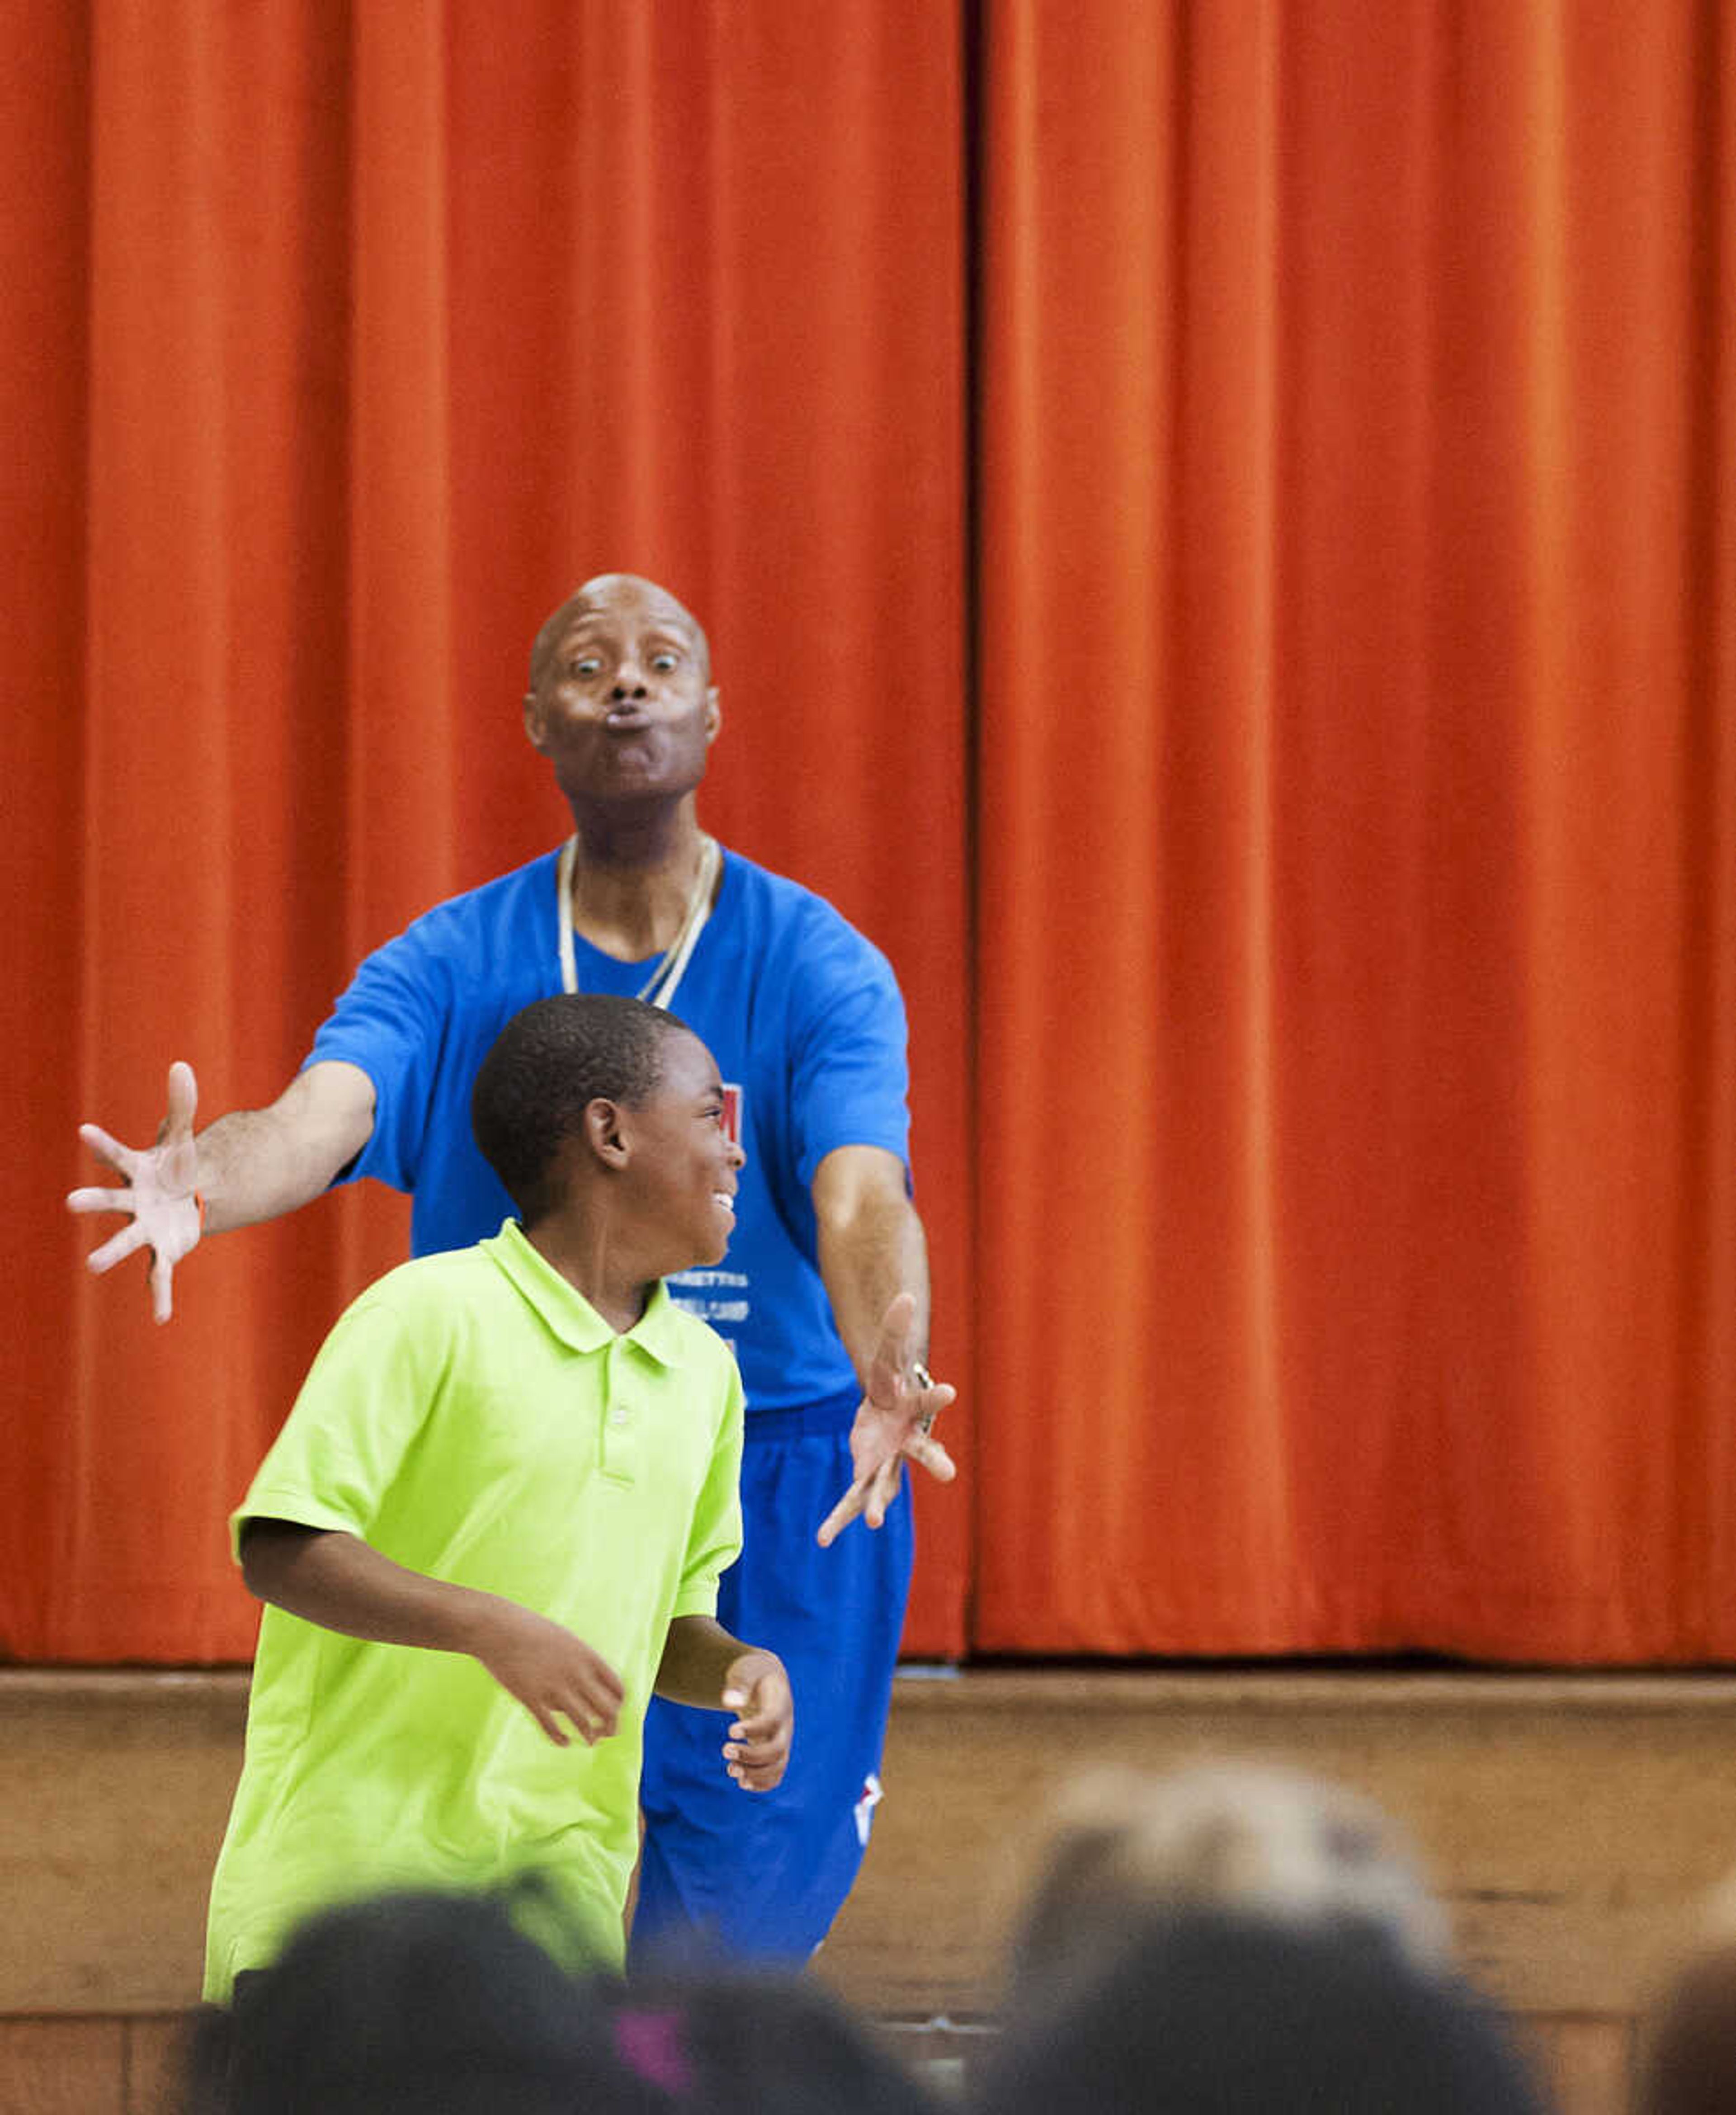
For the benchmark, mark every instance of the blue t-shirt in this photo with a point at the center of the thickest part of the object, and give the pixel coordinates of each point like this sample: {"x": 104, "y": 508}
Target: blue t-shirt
{"x": 802, "y": 1014}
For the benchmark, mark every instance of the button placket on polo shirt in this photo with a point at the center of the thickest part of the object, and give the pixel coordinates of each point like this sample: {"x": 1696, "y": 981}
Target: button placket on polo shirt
{"x": 622, "y": 1414}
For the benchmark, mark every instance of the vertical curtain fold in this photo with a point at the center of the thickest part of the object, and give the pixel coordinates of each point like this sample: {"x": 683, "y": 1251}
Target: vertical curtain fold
{"x": 46, "y": 174}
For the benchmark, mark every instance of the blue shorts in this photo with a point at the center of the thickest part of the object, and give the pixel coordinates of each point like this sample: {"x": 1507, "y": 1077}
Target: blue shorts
{"x": 761, "y": 1876}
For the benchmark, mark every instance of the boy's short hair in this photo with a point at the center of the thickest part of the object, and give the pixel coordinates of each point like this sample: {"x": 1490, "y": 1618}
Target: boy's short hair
{"x": 549, "y": 1063}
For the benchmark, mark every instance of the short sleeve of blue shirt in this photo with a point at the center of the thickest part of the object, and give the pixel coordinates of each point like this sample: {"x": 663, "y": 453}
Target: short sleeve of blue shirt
{"x": 420, "y": 1014}
{"x": 392, "y": 1022}
{"x": 849, "y": 1079}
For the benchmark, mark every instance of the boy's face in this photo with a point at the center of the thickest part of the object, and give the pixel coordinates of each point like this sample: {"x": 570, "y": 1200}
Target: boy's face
{"x": 685, "y": 1164}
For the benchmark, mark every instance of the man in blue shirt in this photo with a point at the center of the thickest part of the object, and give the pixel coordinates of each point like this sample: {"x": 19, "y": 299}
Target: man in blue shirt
{"x": 824, "y": 1293}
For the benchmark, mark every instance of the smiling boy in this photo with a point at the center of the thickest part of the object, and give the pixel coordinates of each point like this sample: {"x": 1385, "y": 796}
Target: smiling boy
{"x": 497, "y": 1516}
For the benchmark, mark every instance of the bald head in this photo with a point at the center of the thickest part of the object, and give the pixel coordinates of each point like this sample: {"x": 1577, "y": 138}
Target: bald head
{"x": 607, "y": 593}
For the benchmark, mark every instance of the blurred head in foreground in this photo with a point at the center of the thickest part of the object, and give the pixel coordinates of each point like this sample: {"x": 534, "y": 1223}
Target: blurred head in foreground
{"x": 1200, "y": 2013}
{"x": 433, "y": 2002}
{"x": 1262, "y": 1843}
{"x": 1688, "y": 2047}
{"x": 773, "y": 2045}
{"x": 1686, "y": 2060}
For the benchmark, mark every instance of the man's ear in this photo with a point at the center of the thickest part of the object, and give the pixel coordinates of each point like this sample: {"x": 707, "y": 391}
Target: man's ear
{"x": 713, "y": 712}
{"x": 535, "y": 725}
{"x": 604, "y": 1134}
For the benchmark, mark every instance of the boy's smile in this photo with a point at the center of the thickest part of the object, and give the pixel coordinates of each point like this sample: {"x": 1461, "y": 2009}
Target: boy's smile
{"x": 685, "y": 1162}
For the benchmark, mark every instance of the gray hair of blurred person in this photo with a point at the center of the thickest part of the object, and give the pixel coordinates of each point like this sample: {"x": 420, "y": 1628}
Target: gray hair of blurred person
{"x": 1252, "y": 1840}
{"x": 1686, "y": 2047}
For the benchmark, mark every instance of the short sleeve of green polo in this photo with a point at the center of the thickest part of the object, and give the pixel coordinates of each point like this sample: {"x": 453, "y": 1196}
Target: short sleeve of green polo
{"x": 715, "y": 1541}
{"x": 360, "y": 1410}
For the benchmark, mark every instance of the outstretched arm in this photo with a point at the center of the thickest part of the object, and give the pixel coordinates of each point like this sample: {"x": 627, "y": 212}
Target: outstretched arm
{"x": 874, "y": 1260}
{"x": 337, "y": 1581}
{"x": 704, "y": 1665}
{"x": 250, "y": 1165}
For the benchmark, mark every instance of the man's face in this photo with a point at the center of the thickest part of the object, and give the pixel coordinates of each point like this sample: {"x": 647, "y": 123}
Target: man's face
{"x": 623, "y": 705}
{"x": 684, "y": 1163}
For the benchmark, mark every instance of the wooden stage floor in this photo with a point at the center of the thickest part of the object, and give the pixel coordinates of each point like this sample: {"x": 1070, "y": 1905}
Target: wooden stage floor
{"x": 1573, "y": 1822}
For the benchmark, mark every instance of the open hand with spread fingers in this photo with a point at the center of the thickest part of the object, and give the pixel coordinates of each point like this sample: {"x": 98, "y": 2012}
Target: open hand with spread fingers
{"x": 160, "y": 1196}
{"x": 894, "y": 1423}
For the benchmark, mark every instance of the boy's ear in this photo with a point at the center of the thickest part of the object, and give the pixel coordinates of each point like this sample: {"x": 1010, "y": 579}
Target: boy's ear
{"x": 603, "y": 1133}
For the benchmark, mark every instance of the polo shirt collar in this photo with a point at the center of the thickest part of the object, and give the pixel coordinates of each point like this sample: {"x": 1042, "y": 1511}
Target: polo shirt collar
{"x": 568, "y": 1315}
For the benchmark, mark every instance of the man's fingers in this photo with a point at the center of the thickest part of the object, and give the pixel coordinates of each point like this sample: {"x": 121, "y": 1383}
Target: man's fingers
{"x": 99, "y": 1201}
{"x": 842, "y": 1514}
{"x": 872, "y": 1495}
{"x": 162, "y": 1278}
{"x": 117, "y": 1248}
{"x": 883, "y": 1488}
{"x": 868, "y": 1496}
{"x": 932, "y": 1457}
{"x": 862, "y": 1497}
{"x": 183, "y": 1104}
{"x": 120, "y": 1157}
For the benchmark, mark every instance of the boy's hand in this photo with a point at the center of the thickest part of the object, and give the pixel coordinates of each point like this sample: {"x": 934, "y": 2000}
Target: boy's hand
{"x": 756, "y": 1690}
{"x": 551, "y": 1672}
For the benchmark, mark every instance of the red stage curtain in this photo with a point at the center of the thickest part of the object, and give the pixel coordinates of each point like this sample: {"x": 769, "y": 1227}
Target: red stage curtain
{"x": 341, "y": 340}
{"x": 1357, "y": 1065}
{"x": 1324, "y": 1018}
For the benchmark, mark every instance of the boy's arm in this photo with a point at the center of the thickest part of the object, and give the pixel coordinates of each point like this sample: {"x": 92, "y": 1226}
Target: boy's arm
{"x": 335, "y": 1579}
{"x": 704, "y": 1665}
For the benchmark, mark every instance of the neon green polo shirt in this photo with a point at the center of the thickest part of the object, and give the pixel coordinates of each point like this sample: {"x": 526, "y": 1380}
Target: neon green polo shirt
{"x": 472, "y": 1417}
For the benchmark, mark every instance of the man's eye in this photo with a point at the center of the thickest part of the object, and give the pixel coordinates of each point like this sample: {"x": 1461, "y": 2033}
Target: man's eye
{"x": 586, "y": 667}
{"x": 664, "y": 662}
